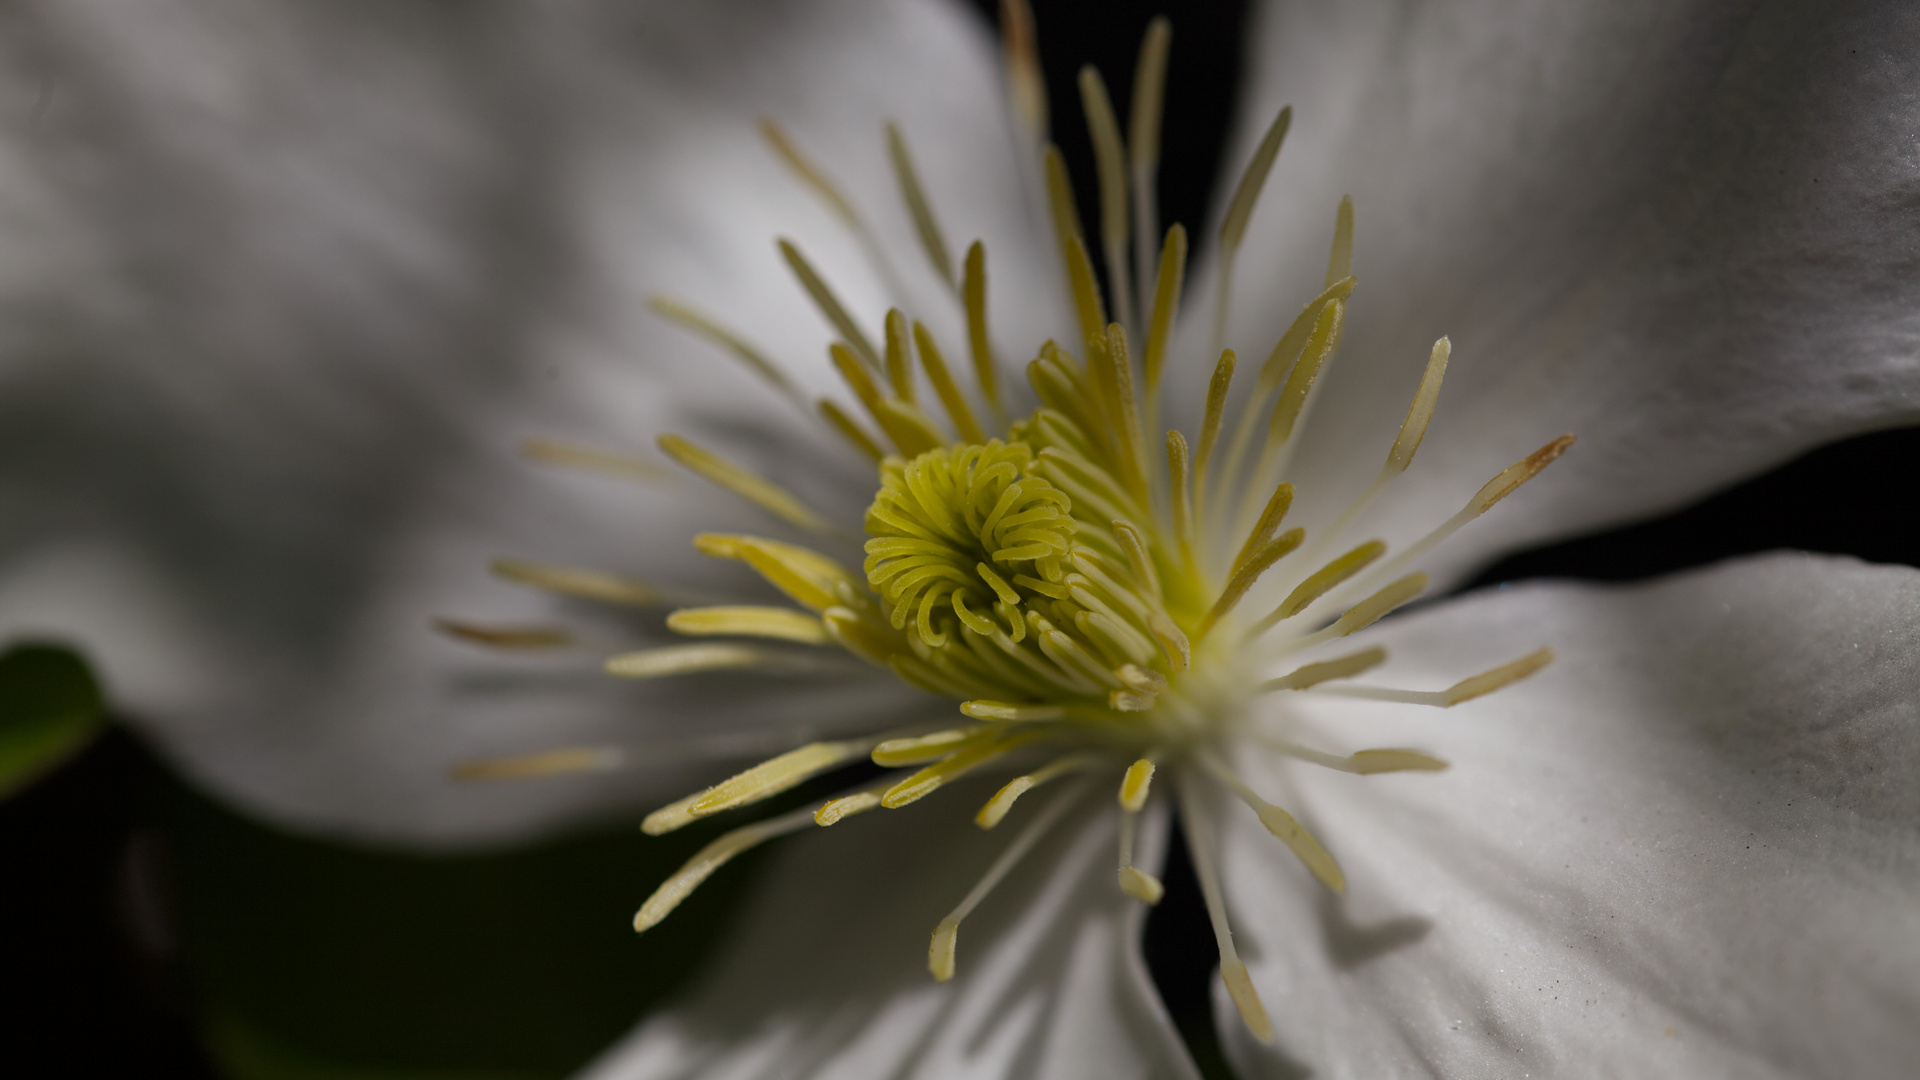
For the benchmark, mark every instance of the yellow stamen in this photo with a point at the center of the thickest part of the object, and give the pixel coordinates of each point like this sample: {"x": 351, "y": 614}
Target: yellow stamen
{"x": 1239, "y": 212}
{"x": 950, "y": 397}
{"x": 1420, "y": 413}
{"x": 919, "y": 749}
{"x": 1321, "y": 581}
{"x": 580, "y": 582}
{"x": 1249, "y": 572}
{"x": 1412, "y": 431}
{"x": 1368, "y": 611}
{"x": 1340, "y": 262}
{"x": 904, "y": 424}
{"x": 940, "y": 952}
{"x": 710, "y": 858}
{"x": 1270, "y": 518}
{"x": 775, "y": 775}
{"x": 1143, "y": 139}
{"x": 933, "y": 777}
{"x": 829, "y": 304}
{"x": 1000, "y": 710}
{"x": 1345, "y": 667}
{"x": 711, "y": 329}
{"x": 1135, "y": 785}
{"x": 1293, "y": 396}
{"x": 562, "y": 762}
{"x": 1135, "y": 882}
{"x": 1483, "y": 500}
{"x": 839, "y": 809}
{"x": 1364, "y": 762}
{"x": 783, "y": 624}
{"x": 762, "y": 492}
{"x": 1234, "y": 973}
{"x": 1281, "y": 824}
{"x": 1210, "y": 427}
{"x": 683, "y": 659}
{"x": 979, "y": 342}
{"x": 505, "y": 637}
{"x": 1110, "y": 160}
{"x": 995, "y": 810}
{"x": 1519, "y": 473}
{"x": 1179, "y": 476}
{"x": 918, "y": 206}
{"x": 555, "y": 452}
{"x": 899, "y": 356}
{"x": 839, "y": 421}
{"x": 809, "y": 174}
{"x": 1166, "y": 305}
{"x": 1465, "y": 690}
{"x": 1086, "y": 291}
{"x": 810, "y": 578}
{"x": 1026, "y": 86}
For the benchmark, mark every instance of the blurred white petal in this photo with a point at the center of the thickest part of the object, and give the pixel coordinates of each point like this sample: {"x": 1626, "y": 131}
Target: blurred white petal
{"x": 286, "y": 284}
{"x": 1685, "y": 232}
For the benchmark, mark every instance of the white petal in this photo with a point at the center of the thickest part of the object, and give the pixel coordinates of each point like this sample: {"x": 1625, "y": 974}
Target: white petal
{"x": 1686, "y": 849}
{"x": 1683, "y": 232}
{"x": 286, "y": 283}
{"x": 827, "y": 973}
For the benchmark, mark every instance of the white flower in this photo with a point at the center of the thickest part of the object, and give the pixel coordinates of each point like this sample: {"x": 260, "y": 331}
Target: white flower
{"x": 1613, "y": 216}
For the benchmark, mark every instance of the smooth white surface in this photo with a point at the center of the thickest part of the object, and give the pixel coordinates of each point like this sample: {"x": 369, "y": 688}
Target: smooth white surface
{"x": 1686, "y": 232}
{"x": 1687, "y": 849}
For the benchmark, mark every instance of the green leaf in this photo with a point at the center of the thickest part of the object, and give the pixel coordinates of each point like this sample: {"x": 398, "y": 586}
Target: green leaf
{"x": 320, "y": 960}
{"x": 247, "y": 1054}
{"x": 50, "y": 709}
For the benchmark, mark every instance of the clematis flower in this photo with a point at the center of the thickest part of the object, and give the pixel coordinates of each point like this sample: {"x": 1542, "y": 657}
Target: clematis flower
{"x": 1684, "y": 849}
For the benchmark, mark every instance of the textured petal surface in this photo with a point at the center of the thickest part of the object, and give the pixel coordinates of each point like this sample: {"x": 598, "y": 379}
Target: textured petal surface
{"x": 285, "y": 285}
{"x": 827, "y": 973}
{"x": 1687, "y": 849}
{"x": 1685, "y": 232}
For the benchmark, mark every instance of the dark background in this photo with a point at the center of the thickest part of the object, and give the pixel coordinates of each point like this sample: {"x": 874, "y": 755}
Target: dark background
{"x": 93, "y": 981}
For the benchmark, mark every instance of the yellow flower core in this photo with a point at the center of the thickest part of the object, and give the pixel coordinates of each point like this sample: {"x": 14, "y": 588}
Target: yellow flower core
{"x": 1097, "y": 601}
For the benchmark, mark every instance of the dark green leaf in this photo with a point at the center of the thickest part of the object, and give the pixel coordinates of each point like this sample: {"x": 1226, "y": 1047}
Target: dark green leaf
{"x": 317, "y": 960}
{"x": 50, "y": 708}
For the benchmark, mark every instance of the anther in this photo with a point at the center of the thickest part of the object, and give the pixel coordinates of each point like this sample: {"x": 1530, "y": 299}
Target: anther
{"x": 1143, "y": 140}
{"x": 555, "y": 452}
{"x": 710, "y": 858}
{"x": 1111, "y": 168}
{"x": 995, "y": 810}
{"x": 918, "y": 206}
{"x": 1318, "y": 583}
{"x": 750, "y": 486}
{"x": 562, "y": 762}
{"x": 577, "y": 581}
{"x": 940, "y": 952}
{"x": 773, "y": 776}
{"x": 717, "y": 333}
{"x": 1345, "y": 667}
{"x": 782, "y": 624}
{"x": 1368, "y": 611}
{"x": 829, "y": 304}
{"x": 1233, "y": 228}
{"x": 1465, "y": 690}
{"x": 505, "y": 637}
{"x": 1247, "y": 573}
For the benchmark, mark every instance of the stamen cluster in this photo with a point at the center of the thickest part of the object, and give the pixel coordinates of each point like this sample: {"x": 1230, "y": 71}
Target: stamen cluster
{"x": 1079, "y": 595}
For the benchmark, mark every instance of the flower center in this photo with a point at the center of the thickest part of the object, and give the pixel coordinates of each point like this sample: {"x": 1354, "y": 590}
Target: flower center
{"x": 1093, "y": 597}
{"x": 971, "y": 529}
